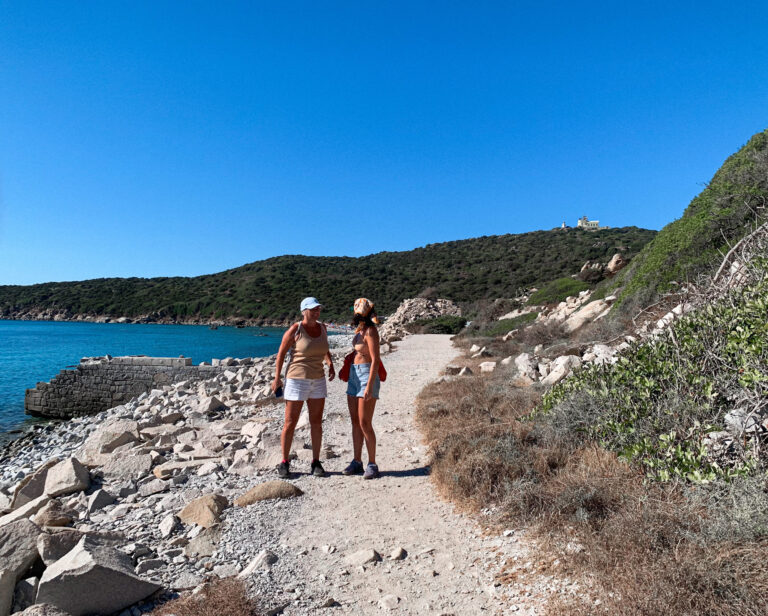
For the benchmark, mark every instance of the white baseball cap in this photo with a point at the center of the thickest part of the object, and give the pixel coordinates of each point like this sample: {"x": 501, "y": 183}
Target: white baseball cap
{"x": 310, "y": 302}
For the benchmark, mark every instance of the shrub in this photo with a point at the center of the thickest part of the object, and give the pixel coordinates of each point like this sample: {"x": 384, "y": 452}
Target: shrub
{"x": 556, "y": 291}
{"x": 446, "y": 324}
{"x": 222, "y": 597}
{"x": 499, "y": 328}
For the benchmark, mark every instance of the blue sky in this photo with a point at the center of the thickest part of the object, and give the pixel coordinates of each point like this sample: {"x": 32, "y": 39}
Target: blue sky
{"x": 183, "y": 138}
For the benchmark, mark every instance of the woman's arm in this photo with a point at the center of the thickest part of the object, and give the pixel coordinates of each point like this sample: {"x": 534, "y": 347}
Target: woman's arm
{"x": 331, "y": 369}
{"x": 372, "y": 340}
{"x": 285, "y": 344}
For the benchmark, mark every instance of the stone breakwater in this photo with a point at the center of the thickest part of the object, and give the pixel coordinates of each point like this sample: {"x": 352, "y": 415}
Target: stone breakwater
{"x": 136, "y": 493}
{"x": 100, "y": 383}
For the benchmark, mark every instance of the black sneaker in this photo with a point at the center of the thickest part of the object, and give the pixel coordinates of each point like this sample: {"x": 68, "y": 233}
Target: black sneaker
{"x": 284, "y": 470}
{"x": 354, "y": 468}
{"x": 317, "y": 469}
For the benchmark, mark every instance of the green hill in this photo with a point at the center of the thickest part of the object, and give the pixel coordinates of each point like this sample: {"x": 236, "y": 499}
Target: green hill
{"x": 715, "y": 220}
{"x": 463, "y": 270}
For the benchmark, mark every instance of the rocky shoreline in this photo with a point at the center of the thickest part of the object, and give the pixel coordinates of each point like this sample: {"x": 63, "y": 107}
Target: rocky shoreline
{"x": 47, "y": 314}
{"x": 138, "y": 490}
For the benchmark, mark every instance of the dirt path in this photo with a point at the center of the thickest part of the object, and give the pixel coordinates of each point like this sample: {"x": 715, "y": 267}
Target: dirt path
{"x": 450, "y": 564}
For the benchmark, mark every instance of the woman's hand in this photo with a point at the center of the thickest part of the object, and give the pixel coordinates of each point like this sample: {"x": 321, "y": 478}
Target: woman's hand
{"x": 367, "y": 395}
{"x": 277, "y": 383}
{"x": 331, "y": 372}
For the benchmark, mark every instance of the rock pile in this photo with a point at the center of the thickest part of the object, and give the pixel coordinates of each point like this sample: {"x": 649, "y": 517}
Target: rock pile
{"x": 411, "y": 310}
{"x": 107, "y": 511}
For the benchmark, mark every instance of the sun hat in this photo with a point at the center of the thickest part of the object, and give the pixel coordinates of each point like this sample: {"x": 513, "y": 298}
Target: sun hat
{"x": 310, "y": 302}
{"x": 363, "y": 306}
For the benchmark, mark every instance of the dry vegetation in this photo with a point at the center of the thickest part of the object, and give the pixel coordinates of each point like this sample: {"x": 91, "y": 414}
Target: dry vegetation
{"x": 227, "y": 597}
{"x": 646, "y": 549}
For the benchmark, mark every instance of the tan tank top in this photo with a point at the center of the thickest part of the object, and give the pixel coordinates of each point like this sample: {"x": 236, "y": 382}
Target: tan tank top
{"x": 308, "y": 354}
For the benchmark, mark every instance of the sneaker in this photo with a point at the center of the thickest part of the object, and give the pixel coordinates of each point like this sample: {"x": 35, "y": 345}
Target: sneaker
{"x": 284, "y": 470}
{"x": 354, "y": 468}
{"x": 317, "y": 469}
{"x": 371, "y": 472}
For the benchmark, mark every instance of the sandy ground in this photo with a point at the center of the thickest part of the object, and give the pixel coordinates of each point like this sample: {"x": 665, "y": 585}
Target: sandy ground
{"x": 451, "y": 564}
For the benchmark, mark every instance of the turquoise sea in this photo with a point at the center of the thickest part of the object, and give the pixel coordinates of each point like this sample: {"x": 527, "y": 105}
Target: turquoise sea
{"x": 33, "y": 351}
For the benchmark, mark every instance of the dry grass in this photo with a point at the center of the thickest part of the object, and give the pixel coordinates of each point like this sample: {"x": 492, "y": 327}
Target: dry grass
{"x": 645, "y": 549}
{"x": 227, "y": 597}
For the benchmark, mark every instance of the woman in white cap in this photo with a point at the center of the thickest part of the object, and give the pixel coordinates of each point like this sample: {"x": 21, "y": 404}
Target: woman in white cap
{"x": 304, "y": 381}
{"x": 363, "y": 388}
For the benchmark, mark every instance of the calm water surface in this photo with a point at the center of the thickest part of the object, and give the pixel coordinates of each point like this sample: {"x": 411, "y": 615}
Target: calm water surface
{"x": 33, "y": 351}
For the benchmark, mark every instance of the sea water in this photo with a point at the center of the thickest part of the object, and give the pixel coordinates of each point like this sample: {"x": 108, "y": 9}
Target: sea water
{"x": 34, "y": 351}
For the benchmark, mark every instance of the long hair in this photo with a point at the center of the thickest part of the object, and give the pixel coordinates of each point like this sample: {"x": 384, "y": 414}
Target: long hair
{"x": 360, "y": 322}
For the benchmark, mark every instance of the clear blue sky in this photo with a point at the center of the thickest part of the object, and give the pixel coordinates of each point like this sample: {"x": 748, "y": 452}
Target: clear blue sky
{"x": 182, "y": 138}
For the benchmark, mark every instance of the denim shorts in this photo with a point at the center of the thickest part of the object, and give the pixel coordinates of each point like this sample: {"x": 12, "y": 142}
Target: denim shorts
{"x": 358, "y": 379}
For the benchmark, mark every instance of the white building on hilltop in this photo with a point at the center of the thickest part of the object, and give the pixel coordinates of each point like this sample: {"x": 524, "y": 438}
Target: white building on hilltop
{"x": 586, "y": 223}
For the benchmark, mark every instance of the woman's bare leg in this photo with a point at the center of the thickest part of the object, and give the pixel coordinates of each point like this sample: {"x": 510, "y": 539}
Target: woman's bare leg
{"x": 292, "y": 412}
{"x": 357, "y": 433}
{"x": 315, "y": 407}
{"x": 365, "y": 414}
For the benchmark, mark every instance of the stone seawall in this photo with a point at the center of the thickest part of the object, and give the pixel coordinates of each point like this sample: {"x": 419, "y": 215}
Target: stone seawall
{"x": 98, "y": 384}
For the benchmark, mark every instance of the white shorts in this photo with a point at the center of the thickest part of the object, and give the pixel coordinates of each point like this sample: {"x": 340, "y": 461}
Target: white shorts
{"x": 304, "y": 389}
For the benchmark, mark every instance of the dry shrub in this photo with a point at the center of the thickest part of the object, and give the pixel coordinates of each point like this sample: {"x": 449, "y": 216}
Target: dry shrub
{"x": 222, "y": 597}
{"x": 546, "y": 333}
{"x": 643, "y": 549}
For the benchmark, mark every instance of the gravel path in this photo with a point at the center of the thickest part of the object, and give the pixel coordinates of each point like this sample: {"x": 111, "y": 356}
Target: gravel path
{"x": 449, "y": 566}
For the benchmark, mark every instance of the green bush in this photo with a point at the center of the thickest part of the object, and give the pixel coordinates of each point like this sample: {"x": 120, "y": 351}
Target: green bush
{"x": 556, "y": 291}
{"x": 656, "y": 404}
{"x": 715, "y": 220}
{"x": 499, "y": 328}
{"x": 445, "y": 324}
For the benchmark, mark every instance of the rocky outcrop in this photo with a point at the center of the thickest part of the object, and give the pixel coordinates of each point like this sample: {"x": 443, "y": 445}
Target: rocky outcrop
{"x": 411, "y": 310}
{"x": 93, "y": 578}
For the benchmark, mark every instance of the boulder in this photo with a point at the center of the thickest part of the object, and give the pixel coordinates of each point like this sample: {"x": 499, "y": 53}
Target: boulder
{"x": 127, "y": 466}
{"x": 488, "y": 366}
{"x": 205, "y": 543}
{"x": 210, "y": 405}
{"x": 616, "y": 263}
{"x": 526, "y": 366}
{"x": 587, "y": 314}
{"x": 99, "y": 499}
{"x": 267, "y": 491}
{"x": 167, "y": 470}
{"x": 18, "y": 547}
{"x": 112, "y": 435}
{"x": 54, "y": 514}
{"x": 560, "y": 368}
{"x": 25, "y": 511}
{"x": 32, "y": 486}
{"x": 24, "y": 594}
{"x": 168, "y": 525}
{"x": 93, "y": 578}
{"x": 254, "y": 429}
{"x": 363, "y": 557}
{"x": 7, "y": 584}
{"x": 264, "y": 560}
{"x": 67, "y": 477}
{"x": 204, "y": 511}
{"x": 153, "y": 487}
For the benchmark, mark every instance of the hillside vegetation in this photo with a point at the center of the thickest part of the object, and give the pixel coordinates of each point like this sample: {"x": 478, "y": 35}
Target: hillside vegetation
{"x": 713, "y": 222}
{"x": 464, "y": 271}
{"x": 646, "y": 480}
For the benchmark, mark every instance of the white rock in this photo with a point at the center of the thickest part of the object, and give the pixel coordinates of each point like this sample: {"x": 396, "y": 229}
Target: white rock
{"x": 488, "y": 366}
{"x": 263, "y": 561}
{"x": 363, "y": 557}
{"x": 92, "y": 578}
{"x": 66, "y": 477}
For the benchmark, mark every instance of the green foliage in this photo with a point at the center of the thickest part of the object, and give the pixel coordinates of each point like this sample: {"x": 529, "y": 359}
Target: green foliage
{"x": 499, "y": 328}
{"x": 661, "y": 398}
{"x": 556, "y": 291}
{"x": 464, "y": 271}
{"x": 445, "y": 324}
{"x": 717, "y": 218}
